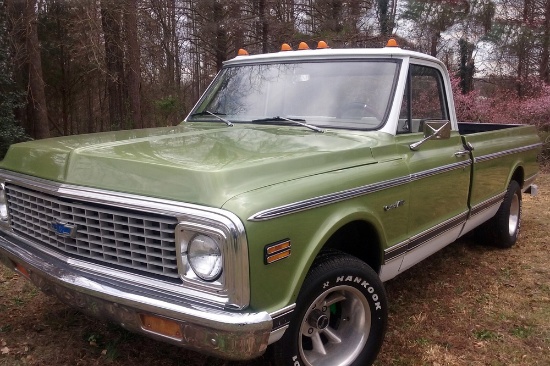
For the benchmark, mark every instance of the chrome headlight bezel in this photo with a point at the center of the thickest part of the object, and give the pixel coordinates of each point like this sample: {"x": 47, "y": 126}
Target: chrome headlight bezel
{"x": 185, "y": 234}
{"x": 234, "y": 257}
{"x": 4, "y": 212}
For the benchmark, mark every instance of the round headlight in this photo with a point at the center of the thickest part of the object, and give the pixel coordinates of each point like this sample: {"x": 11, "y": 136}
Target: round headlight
{"x": 3, "y": 204}
{"x": 205, "y": 257}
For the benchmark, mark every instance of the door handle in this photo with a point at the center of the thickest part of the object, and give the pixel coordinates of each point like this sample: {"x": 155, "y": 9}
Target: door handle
{"x": 462, "y": 153}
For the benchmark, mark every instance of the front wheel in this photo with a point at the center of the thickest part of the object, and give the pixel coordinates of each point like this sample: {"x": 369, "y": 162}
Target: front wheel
{"x": 340, "y": 318}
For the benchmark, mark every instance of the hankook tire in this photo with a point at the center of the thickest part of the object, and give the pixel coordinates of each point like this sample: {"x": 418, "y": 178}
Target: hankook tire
{"x": 340, "y": 317}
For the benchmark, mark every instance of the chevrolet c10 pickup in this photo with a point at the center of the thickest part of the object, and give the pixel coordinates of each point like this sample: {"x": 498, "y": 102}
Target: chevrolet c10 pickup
{"x": 273, "y": 214}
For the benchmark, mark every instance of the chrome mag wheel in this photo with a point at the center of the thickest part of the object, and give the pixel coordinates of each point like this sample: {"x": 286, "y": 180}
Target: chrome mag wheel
{"x": 335, "y": 328}
{"x": 513, "y": 220}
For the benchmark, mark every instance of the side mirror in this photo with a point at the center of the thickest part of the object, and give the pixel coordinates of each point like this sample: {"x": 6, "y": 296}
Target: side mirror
{"x": 434, "y": 130}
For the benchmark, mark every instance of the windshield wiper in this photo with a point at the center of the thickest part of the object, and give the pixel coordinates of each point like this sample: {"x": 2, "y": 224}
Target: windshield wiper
{"x": 217, "y": 115}
{"x": 293, "y": 120}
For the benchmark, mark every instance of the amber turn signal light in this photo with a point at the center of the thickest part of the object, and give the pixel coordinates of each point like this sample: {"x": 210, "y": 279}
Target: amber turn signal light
{"x": 23, "y": 271}
{"x": 277, "y": 251}
{"x": 162, "y": 326}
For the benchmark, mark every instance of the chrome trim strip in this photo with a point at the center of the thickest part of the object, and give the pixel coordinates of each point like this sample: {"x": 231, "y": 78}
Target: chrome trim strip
{"x": 277, "y": 334}
{"x": 424, "y": 237}
{"x": 331, "y": 198}
{"x": 506, "y": 152}
{"x": 433, "y": 232}
{"x": 481, "y": 217}
{"x": 440, "y": 170}
{"x": 281, "y": 321}
{"x": 425, "y": 250}
{"x": 236, "y": 294}
{"x": 282, "y": 316}
{"x": 327, "y": 199}
{"x": 395, "y": 251}
{"x": 480, "y": 207}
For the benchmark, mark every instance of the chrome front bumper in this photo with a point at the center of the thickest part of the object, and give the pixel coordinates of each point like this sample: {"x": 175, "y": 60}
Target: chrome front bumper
{"x": 225, "y": 334}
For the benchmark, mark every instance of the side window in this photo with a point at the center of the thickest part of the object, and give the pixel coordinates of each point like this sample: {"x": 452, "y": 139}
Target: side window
{"x": 424, "y": 99}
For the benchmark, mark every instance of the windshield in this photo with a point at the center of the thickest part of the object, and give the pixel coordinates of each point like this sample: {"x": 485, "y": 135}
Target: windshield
{"x": 337, "y": 94}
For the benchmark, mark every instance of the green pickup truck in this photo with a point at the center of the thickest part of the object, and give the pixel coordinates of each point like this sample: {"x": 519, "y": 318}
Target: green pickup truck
{"x": 298, "y": 184}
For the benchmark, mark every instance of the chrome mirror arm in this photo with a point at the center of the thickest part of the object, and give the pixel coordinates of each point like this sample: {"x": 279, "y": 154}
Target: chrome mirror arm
{"x": 429, "y": 135}
{"x": 416, "y": 145}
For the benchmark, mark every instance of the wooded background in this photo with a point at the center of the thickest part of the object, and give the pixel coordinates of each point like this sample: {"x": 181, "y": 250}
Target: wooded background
{"x": 80, "y": 66}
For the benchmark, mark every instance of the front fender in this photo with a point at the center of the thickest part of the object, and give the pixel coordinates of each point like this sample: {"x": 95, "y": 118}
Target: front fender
{"x": 276, "y": 285}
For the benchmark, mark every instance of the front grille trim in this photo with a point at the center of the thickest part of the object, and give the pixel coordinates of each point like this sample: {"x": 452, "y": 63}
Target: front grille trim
{"x": 234, "y": 294}
{"x": 107, "y": 235}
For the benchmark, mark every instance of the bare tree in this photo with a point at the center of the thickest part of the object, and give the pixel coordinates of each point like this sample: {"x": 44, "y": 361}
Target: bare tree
{"x": 431, "y": 19}
{"x": 36, "y": 95}
{"x": 133, "y": 70}
{"x": 387, "y": 10}
{"x": 111, "y": 20}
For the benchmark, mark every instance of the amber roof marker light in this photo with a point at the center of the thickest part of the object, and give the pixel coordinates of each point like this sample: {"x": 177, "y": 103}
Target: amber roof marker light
{"x": 303, "y": 46}
{"x": 242, "y": 52}
{"x": 321, "y": 45}
{"x": 392, "y": 43}
{"x": 285, "y": 47}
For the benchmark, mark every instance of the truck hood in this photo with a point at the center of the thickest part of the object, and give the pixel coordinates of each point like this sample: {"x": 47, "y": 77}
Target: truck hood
{"x": 195, "y": 162}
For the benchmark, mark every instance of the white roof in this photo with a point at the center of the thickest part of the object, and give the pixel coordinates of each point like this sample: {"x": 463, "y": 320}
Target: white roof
{"x": 320, "y": 54}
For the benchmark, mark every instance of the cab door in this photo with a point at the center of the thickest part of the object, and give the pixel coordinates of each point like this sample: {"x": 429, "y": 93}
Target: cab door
{"x": 439, "y": 168}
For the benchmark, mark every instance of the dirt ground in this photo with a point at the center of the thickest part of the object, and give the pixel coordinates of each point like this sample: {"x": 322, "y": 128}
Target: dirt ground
{"x": 467, "y": 305}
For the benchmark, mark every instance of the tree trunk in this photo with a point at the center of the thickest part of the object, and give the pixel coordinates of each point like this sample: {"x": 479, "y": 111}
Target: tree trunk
{"x": 36, "y": 95}
{"x": 221, "y": 35}
{"x": 133, "y": 80}
{"x": 264, "y": 25}
{"x": 523, "y": 54}
{"x": 467, "y": 68}
{"x": 434, "y": 42}
{"x": 114, "y": 60}
{"x": 544, "y": 68}
{"x": 196, "y": 61}
{"x": 386, "y": 15}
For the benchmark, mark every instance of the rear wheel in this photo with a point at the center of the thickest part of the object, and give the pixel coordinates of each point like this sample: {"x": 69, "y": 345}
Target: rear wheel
{"x": 503, "y": 229}
{"x": 340, "y": 317}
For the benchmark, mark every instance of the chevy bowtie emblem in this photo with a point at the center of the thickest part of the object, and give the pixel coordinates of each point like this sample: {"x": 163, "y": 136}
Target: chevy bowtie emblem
{"x": 64, "y": 229}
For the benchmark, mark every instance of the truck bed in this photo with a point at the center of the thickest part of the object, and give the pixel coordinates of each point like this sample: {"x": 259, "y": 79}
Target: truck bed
{"x": 466, "y": 128}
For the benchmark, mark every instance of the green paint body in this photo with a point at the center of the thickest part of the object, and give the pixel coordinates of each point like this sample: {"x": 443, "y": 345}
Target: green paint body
{"x": 247, "y": 169}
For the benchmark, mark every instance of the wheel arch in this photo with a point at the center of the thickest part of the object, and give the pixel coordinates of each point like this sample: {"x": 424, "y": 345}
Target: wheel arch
{"x": 518, "y": 174}
{"x": 357, "y": 233}
{"x": 359, "y": 238}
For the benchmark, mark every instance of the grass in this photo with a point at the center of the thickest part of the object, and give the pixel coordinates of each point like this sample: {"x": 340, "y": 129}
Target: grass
{"x": 466, "y": 305}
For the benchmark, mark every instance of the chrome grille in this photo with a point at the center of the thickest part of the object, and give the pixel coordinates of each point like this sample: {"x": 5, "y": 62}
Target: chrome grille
{"x": 106, "y": 235}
